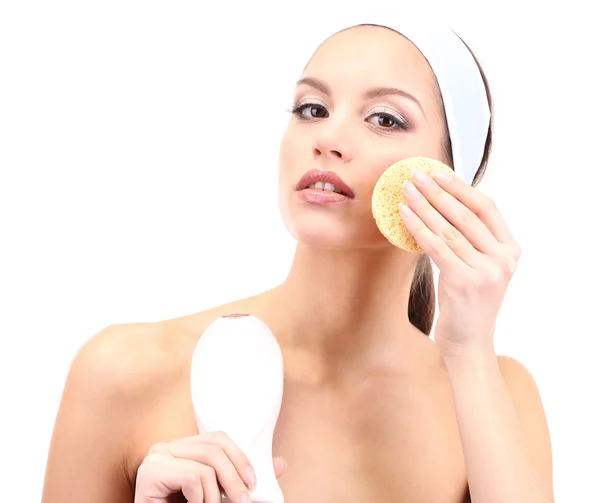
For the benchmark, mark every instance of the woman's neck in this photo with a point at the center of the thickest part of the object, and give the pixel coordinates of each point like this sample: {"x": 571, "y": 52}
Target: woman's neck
{"x": 346, "y": 306}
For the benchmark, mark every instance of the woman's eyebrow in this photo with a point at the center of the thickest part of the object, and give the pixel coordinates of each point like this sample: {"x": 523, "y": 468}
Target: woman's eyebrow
{"x": 374, "y": 92}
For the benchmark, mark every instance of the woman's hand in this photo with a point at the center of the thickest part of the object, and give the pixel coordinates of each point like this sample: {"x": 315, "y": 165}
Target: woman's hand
{"x": 466, "y": 237}
{"x": 199, "y": 467}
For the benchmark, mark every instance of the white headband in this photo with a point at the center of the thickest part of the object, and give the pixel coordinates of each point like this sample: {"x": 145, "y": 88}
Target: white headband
{"x": 461, "y": 86}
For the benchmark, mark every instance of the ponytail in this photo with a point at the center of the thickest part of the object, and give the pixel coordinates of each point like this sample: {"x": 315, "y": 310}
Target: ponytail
{"x": 421, "y": 302}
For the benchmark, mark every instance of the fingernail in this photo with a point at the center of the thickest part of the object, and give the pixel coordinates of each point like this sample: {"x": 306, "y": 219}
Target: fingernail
{"x": 421, "y": 178}
{"x": 443, "y": 176}
{"x": 251, "y": 476}
{"x": 245, "y": 498}
{"x": 405, "y": 211}
{"x": 410, "y": 189}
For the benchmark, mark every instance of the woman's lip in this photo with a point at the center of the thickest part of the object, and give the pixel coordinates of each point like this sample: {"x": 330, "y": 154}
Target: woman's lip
{"x": 324, "y": 197}
{"x": 315, "y": 175}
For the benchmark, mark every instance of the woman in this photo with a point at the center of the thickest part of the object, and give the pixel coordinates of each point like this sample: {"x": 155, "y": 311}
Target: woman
{"x": 373, "y": 409}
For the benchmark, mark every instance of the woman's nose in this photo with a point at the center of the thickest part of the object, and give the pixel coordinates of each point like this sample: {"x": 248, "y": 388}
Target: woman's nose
{"x": 332, "y": 143}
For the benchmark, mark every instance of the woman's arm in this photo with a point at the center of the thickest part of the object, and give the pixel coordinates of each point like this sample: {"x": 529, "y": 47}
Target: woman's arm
{"x": 113, "y": 382}
{"x": 500, "y": 416}
{"x": 503, "y": 429}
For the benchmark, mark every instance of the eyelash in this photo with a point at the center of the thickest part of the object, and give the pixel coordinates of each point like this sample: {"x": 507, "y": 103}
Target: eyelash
{"x": 397, "y": 120}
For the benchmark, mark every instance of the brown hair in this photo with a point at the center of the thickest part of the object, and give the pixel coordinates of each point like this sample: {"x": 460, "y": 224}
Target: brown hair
{"x": 421, "y": 302}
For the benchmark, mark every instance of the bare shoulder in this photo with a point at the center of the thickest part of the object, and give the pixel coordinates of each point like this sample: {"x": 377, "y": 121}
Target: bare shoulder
{"x": 125, "y": 361}
{"x": 523, "y": 389}
{"x": 530, "y": 411}
{"x": 127, "y": 388}
{"x": 519, "y": 380}
{"x": 134, "y": 360}
{"x": 514, "y": 371}
{"x": 107, "y": 393}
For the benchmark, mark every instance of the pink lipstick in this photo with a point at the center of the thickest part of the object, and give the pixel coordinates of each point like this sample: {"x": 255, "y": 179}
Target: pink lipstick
{"x": 323, "y": 187}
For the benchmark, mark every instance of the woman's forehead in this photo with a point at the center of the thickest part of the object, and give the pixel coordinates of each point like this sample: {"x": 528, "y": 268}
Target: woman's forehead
{"x": 365, "y": 56}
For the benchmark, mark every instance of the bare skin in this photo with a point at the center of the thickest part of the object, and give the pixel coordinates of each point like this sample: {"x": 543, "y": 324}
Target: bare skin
{"x": 368, "y": 411}
{"x": 328, "y": 435}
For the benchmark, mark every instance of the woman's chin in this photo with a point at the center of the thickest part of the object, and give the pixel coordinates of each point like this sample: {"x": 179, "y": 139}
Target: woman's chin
{"x": 331, "y": 237}
{"x": 330, "y": 229}
{"x": 321, "y": 240}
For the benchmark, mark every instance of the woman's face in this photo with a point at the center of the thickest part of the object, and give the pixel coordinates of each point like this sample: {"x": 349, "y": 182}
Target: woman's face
{"x": 348, "y": 122}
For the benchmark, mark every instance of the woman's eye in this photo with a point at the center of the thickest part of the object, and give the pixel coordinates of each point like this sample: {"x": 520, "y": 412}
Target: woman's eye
{"x": 313, "y": 111}
{"x": 381, "y": 120}
{"x": 387, "y": 121}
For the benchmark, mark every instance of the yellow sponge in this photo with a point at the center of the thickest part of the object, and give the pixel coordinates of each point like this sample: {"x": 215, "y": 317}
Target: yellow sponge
{"x": 387, "y": 196}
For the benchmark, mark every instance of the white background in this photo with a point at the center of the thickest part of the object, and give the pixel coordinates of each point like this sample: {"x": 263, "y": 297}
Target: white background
{"x": 138, "y": 158}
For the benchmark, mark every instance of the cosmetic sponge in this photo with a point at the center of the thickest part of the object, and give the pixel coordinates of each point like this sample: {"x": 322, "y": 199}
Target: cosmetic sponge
{"x": 387, "y": 196}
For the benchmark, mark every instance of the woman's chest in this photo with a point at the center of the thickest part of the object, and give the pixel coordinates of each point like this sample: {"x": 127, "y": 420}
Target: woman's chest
{"x": 397, "y": 442}
{"x": 397, "y": 447}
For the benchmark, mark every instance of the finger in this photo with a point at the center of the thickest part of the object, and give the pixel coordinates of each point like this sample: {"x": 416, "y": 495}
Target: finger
{"x": 239, "y": 460}
{"x": 439, "y": 226}
{"x": 480, "y": 204}
{"x": 280, "y": 464}
{"x": 213, "y": 455}
{"x": 456, "y": 213}
{"x": 191, "y": 486}
{"x": 170, "y": 475}
{"x": 443, "y": 257}
{"x": 234, "y": 453}
{"x": 212, "y": 492}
